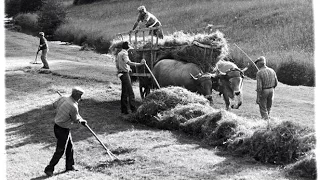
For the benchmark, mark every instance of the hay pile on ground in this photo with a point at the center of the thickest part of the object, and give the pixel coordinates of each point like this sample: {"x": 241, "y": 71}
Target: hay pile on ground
{"x": 181, "y": 46}
{"x": 176, "y": 108}
{"x": 304, "y": 167}
{"x": 282, "y": 144}
{"x": 165, "y": 99}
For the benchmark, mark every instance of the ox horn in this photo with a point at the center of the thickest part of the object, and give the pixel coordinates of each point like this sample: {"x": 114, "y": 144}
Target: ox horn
{"x": 193, "y": 77}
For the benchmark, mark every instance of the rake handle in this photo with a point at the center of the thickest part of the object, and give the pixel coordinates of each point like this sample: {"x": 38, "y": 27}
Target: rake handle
{"x": 154, "y": 78}
{"x": 246, "y": 55}
{"x": 111, "y": 155}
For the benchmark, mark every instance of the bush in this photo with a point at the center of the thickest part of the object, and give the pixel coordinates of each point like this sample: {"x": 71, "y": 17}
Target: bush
{"x": 78, "y": 2}
{"x": 12, "y": 7}
{"x": 296, "y": 73}
{"x": 27, "y": 6}
{"x": 51, "y": 16}
{"x": 27, "y": 22}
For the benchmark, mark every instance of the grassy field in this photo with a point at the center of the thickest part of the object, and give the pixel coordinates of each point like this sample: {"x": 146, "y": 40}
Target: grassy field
{"x": 279, "y": 29}
{"x": 158, "y": 154}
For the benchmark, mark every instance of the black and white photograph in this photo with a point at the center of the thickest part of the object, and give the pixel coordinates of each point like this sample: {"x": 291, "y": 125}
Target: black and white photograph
{"x": 159, "y": 89}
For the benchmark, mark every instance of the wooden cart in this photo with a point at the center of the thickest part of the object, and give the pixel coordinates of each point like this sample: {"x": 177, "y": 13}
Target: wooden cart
{"x": 145, "y": 76}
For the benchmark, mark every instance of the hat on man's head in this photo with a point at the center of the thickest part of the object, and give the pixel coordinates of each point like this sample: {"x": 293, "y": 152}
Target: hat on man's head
{"x": 125, "y": 45}
{"x": 142, "y": 9}
{"x": 261, "y": 59}
{"x": 77, "y": 90}
{"x": 41, "y": 33}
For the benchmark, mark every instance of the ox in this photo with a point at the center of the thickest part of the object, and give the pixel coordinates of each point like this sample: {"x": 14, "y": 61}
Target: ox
{"x": 228, "y": 80}
{"x": 170, "y": 72}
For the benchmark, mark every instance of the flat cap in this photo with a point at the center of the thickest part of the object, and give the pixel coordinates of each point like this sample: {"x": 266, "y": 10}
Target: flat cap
{"x": 142, "y": 8}
{"x": 77, "y": 90}
{"x": 260, "y": 59}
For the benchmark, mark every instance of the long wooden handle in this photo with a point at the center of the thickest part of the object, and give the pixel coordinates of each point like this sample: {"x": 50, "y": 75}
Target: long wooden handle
{"x": 246, "y": 55}
{"x": 111, "y": 155}
{"x": 154, "y": 78}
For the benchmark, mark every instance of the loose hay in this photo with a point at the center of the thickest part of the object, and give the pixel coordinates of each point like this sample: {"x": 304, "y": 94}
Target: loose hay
{"x": 202, "y": 125}
{"x": 167, "y": 98}
{"x": 103, "y": 165}
{"x": 282, "y": 144}
{"x": 304, "y": 167}
{"x": 181, "y": 114}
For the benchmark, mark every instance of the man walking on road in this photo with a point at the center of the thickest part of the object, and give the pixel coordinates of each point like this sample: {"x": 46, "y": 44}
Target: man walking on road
{"x": 123, "y": 64}
{"x": 149, "y": 20}
{"x": 43, "y": 46}
{"x": 67, "y": 113}
{"x": 266, "y": 82}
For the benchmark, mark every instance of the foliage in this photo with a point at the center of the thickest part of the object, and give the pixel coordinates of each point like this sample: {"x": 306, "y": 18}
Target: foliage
{"x": 78, "y": 2}
{"x": 296, "y": 73}
{"x": 51, "y": 16}
{"x": 12, "y": 7}
{"x": 27, "y": 21}
{"x": 30, "y": 5}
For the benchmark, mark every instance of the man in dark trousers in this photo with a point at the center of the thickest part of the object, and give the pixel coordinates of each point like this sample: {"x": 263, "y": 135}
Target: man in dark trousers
{"x": 123, "y": 64}
{"x": 266, "y": 82}
{"x": 67, "y": 113}
{"x": 43, "y": 46}
{"x": 149, "y": 20}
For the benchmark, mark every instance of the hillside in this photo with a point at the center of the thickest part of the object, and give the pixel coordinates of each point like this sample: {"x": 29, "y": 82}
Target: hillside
{"x": 277, "y": 29}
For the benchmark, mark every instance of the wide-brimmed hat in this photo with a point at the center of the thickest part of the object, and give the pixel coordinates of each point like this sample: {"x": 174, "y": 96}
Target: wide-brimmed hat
{"x": 260, "y": 59}
{"x": 41, "y": 33}
{"x": 125, "y": 45}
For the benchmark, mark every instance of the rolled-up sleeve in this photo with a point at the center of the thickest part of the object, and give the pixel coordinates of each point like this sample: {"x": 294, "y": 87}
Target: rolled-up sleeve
{"x": 74, "y": 115}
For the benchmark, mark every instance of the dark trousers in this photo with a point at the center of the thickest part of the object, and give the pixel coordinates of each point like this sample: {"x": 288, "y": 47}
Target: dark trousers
{"x": 127, "y": 94}
{"x": 64, "y": 144}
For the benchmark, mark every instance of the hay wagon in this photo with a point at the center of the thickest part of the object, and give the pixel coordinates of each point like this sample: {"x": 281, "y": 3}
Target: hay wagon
{"x": 141, "y": 51}
{"x": 202, "y": 50}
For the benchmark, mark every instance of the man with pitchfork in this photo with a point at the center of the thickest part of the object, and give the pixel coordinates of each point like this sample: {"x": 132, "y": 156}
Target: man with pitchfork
{"x": 266, "y": 82}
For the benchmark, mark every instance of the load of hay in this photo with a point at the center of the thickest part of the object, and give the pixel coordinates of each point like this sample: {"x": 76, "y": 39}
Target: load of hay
{"x": 205, "y": 50}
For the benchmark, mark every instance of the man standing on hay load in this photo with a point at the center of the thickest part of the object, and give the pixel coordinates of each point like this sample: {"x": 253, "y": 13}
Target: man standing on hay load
{"x": 150, "y": 21}
{"x": 123, "y": 64}
{"x": 266, "y": 82}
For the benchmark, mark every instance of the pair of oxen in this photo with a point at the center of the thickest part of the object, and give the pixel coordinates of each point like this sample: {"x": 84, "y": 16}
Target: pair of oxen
{"x": 226, "y": 78}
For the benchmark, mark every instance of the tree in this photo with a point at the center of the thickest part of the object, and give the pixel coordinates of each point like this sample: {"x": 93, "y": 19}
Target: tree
{"x": 12, "y": 7}
{"x": 29, "y": 6}
{"x": 52, "y": 15}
